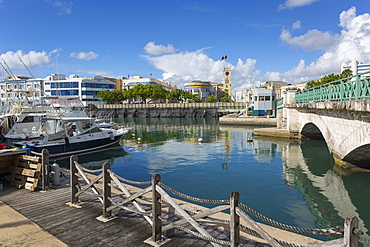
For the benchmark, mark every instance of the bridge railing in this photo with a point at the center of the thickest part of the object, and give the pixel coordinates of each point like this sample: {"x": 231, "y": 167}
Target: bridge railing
{"x": 351, "y": 88}
{"x": 151, "y": 208}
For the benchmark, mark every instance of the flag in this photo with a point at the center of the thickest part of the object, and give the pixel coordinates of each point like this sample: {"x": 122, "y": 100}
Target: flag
{"x": 224, "y": 57}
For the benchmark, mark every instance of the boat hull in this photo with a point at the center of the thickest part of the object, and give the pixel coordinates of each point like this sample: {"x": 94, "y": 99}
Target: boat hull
{"x": 65, "y": 148}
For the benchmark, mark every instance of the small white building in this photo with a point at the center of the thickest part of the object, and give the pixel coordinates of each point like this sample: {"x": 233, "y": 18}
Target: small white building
{"x": 263, "y": 99}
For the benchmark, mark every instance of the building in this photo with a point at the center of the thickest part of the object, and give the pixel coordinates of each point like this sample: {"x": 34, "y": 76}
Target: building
{"x": 73, "y": 86}
{"x": 275, "y": 86}
{"x": 118, "y": 84}
{"x": 128, "y": 83}
{"x": 226, "y": 79}
{"x": 356, "y": 67}
{"x": 204, "y": 89}
{"x": 263, "y": 101}
{"x": 20, "y": 90}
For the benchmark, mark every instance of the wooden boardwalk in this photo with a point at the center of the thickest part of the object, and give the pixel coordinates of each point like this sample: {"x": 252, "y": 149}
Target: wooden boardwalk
{"x": 79, "y": 226}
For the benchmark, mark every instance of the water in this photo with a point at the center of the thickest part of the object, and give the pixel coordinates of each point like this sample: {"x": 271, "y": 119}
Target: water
{"x": 292, "y": 182}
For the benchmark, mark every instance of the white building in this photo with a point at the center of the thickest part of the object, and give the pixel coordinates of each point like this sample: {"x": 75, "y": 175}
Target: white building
{"x": 128, "y": 83}
{"x": 86, "y": 89}
{"x": 263, "y": 99}
{"x": 19, "y": 90}
{"x": 357, "y": 68}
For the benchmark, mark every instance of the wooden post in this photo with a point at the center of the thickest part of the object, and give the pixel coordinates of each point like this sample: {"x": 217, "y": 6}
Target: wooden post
{"x": 106, "y": 190}
{"x": 45, "y": 169}
{"x": 74, "y": 178}
{"x": 156, "y": 209}
{"x": 350, "y": 238}
{"x": 234, "y": 220}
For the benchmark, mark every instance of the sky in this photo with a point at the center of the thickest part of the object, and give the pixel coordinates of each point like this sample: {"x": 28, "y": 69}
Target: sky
{"x": 184, "y": 40}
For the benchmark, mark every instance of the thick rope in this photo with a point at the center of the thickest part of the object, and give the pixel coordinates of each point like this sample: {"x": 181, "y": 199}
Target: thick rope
{"x": 329, "y": 231}
{"x": 128, "y": 181}
{"x": 88, "y": 170}
{"x": 195, "y": 199}
{"x": 245, "y": 229}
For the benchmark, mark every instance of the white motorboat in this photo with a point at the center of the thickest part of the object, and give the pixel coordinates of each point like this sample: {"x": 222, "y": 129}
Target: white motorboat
{"x": 73, "y": 135}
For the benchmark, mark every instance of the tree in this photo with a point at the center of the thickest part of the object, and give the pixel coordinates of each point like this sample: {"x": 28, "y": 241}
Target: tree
{"x": 329, "y": 78}
{"x": 149, "y": 91}
{"x": 179, "y": 94}
{"x": 115, "y": 96}
{"x": 211, "y": 99}
{"x": 226, "y": 97}
{"x": 156, "y": 92}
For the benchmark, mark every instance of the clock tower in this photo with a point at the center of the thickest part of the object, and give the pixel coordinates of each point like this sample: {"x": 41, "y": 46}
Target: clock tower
{"x": 226, "y": 79}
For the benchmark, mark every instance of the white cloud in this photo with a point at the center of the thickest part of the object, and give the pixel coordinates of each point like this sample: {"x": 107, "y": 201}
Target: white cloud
{"x": 310, "y": 41}
{"x": 32, "y": 59}
{"x": 153, "y": 49}
{"x": 352, "y": 43}
{"x": 290, "y": 4}
{"x": 187, "y": 66}
{"x": 297, "y": 25}
{"x": 84, "y": 55}
{"x": 65, "y": 7}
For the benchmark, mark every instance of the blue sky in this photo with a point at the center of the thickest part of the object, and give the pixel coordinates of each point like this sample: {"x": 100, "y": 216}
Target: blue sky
{"x": 184, "y": 40}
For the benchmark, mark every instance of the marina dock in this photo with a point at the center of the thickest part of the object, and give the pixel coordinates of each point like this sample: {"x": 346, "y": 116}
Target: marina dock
{"x": 64, "y": 216}
{"x": 43, "y": 219}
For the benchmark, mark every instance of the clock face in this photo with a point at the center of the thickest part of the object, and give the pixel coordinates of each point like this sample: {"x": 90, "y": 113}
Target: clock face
{"x": 227, "y": 73}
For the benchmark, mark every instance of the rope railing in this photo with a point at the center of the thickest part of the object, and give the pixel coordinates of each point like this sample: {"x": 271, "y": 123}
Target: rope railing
{"x": 130, "y": 181}
{"x": 194, "y": 199}
{"x": 160, "y": 197}
{"x": 329, "y": 231}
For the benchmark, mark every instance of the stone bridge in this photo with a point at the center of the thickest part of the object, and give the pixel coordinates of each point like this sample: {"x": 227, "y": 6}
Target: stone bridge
{"x": 343, "y": 125}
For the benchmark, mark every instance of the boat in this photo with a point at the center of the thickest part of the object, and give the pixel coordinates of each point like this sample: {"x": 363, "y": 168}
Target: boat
{"x": 23, "y": 121}
{"x": 72, "y": 135}
{"x": 104, "y": 123}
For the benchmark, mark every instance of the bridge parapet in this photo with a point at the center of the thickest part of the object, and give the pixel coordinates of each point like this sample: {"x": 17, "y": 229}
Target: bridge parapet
{"x": 351, "y": 88}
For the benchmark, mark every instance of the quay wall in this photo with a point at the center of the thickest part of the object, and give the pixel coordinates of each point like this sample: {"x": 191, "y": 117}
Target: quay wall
{"x": 167, "y": 110}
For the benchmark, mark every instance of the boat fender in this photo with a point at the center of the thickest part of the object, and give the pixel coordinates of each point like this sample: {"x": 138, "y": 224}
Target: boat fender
{"x": 111, "y": 135}
{"x": 66, "y": 140}
{"x": 55, "y": 173}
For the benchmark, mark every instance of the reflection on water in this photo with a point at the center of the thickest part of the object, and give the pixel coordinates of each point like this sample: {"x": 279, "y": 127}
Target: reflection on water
{"x": 290, "y": 181}
{"x": 95, "y": 160}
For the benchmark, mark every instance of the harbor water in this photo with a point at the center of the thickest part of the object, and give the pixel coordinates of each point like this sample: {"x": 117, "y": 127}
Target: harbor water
{"x": 290, "y": 181}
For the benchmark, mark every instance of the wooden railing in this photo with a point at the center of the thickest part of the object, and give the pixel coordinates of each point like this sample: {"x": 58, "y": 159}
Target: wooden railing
{"x": 162, "y": 221}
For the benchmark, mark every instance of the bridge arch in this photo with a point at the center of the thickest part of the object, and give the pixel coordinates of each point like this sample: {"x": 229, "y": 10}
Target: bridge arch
{"x": 350, "y": 144}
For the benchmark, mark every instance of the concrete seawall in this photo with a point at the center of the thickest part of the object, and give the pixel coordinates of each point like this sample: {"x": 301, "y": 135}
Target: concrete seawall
{"x": 234, "y": 119}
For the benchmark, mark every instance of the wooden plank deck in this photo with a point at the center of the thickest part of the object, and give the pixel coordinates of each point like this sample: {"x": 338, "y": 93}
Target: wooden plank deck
{"x": 79, "y": 227}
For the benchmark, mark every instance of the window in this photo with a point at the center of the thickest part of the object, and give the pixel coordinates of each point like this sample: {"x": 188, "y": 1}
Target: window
{"x": 261, "y": 98}
{"x": 267, "y": 98}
